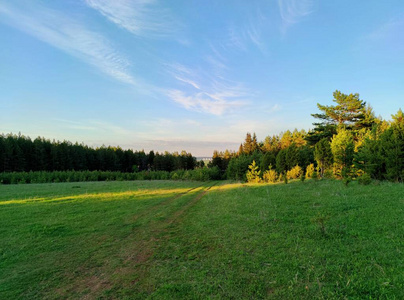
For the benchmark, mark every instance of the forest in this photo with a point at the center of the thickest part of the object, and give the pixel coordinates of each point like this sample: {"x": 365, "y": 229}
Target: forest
{"x": 347, "y": 141}
{"x": 19, "y": 153}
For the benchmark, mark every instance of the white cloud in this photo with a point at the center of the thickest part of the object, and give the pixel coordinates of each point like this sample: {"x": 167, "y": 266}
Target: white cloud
{"x": 140, "y": 17}
{"x": 211, "y": 94}
{"x": 203, "y": 102}
{"x": 293, "y": 11}
{"x": 70, "y": 36}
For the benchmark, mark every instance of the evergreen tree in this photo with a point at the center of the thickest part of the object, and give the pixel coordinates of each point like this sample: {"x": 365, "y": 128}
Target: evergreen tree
{"x": 350, "y": 112}
{"x": 268, "y": 159}
{"x": 291, "y": 157}
{"x": 240, "y": 150}
{"x": 281, "y": 166}
{"x": 247, "y": 146}
{"x": 392, "y": 141}
{"x": 323, "y": 155}
{"x": 254, "y": 143}
{"x": 253, "y": 174}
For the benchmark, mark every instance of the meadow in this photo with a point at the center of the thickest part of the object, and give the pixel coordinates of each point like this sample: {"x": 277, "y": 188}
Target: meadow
{"x": 192, "y": 240}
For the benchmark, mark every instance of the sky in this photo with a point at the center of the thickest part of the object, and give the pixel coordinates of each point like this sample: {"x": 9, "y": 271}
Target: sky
{"x": 191, "y": 75}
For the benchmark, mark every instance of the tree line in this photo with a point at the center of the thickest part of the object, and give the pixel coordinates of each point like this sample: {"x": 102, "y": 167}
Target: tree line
{"x": 347, "y": 141}
{"x": 19, "y": 153}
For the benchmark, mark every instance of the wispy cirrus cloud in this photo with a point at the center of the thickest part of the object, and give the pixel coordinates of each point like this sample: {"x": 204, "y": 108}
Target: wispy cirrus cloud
{"x": 203, "y": 93}
{"x": 140, "y": 17}
{"x": 293, "y": 11}
{"x": 70, "y": 36}
{"x": 203, "y": 102}
{"x": 249, "y": 33}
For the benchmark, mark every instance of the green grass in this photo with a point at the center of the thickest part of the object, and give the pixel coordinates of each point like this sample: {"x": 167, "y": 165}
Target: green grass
{"x": 165, "y": 240}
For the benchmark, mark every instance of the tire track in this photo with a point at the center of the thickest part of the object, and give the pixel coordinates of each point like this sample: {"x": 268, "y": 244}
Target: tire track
{"x": 190, "y": 204}
{"x": 168, "y": 201}
{"x": 138, "y": 250}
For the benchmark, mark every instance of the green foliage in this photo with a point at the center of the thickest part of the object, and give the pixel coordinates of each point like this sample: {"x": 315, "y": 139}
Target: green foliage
{"x": 323, "y": 155}
{"x": 268, "y": 159}
{"x": 314, "y": 175}
{"x": 19, "y": 153}
{"x": 342, "y": 147}
{"x": 365, "y": 179}
{"x": 281, "y": 164}
{"x": 201, "y": 174}
{"x": 238, "y": 166}
{"x": 346, "y": 180}
{"x": 349, "y": 110}
{"x": 392, "y": 144}
{"x": 294, "y": 173}
{"x": 253, "y": 174}
{"x": 291, "y": 157}
{"x": 250, "y": 144}
{"x": 310, "y": 170}
{"x": 270, "y": 175}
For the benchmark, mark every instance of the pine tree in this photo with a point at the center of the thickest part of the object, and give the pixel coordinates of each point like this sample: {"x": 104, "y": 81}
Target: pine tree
{"x": 350, "y": 112}
{"x": 240, "y": 150}
{"x": 254, "y": 143}
{"x": 247, "y": 144}
{"x": 253, "y": 174}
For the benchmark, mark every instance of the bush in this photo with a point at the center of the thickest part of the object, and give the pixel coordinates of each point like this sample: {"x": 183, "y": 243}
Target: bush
{"x": 346, "y": 180}
{"x": 270, "y": 176}
{"x": 253, "y": 175}
{"x": 294, "y": 173}
{"x": 365, "y": 179}
{"x": 309, "y": 171}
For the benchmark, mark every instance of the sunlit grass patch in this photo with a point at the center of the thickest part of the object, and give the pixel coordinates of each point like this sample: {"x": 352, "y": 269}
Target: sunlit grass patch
{"x": 107, "y": 196}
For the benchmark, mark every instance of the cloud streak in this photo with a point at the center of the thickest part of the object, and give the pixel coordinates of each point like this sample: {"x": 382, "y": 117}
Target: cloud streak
{"x": 70, "y": 36}
{"x": 203, "y": 93}
{"x": 140, "y": 17}
{"x": 293, "y": 11}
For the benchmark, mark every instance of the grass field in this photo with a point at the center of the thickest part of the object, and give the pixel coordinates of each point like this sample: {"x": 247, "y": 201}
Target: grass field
{"x": 167, "y": 240}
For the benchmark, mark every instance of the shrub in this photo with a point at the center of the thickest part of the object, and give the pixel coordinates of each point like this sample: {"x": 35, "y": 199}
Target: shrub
{"x": 270, "y": 176}
{"x": 175, "y": 176}
{"x": 253, "y": 175}
{"x": 346, "y": 180}
{"x": 365, "y": 179}
{"x": 309, "y": 171}
{"x": 294, "y": 173}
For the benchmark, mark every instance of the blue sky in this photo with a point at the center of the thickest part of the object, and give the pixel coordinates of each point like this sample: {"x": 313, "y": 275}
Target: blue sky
{"x": 191, "y": 75}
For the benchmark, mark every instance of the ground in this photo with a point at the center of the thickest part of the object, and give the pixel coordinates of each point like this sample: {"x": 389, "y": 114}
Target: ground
{"x": 166, "y": 239}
